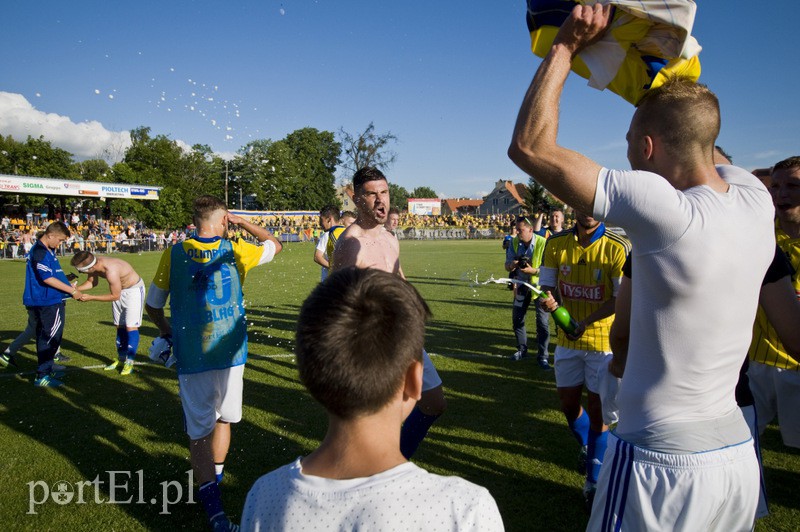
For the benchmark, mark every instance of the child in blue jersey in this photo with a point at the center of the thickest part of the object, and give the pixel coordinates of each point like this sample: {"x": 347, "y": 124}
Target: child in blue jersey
{"x": 202, "y": 277}
{"x": 46, "y": 289}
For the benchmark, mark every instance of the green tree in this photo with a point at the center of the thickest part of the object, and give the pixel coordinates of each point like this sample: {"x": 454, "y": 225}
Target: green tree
{"x": 92, "y": 170}
{"x": 538, "y": 199}
{"x": 169, "y": 211}
{"x": 157, "y": 153}
{"x": 159, "y": 161}
{"x": 9, "y": 149}
{"x": 424, "y": 192}
{"x": 316, "y": 154}
{"x": 296, "y": 172}
{"x": 367, "y": 148}
{"x": 251, "y": 173}
{"x": 38, "y": 157}
{"x": 398, "y": 197}
{"x": 35, "y": 157}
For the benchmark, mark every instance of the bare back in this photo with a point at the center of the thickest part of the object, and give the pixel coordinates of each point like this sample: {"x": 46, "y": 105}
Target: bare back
{"x": 368, "y": 248}
{"x": 118, "y": 269}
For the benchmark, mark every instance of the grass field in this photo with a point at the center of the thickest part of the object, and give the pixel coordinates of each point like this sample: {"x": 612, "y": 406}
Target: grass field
{"x": 503, "y": 429}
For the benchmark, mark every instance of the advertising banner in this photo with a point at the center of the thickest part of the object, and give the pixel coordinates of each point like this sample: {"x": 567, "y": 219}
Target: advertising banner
{"x": 16, "y": 184}
{"x": 428, "y": 206}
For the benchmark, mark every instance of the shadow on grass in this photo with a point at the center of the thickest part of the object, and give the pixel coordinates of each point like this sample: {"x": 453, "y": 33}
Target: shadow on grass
{"x": 26, "y": 356}
{"x": 100, "y": 422}
{"x": 771, "y": 441}
{"x": 89, "y": 422}
{"x": 503, "y": 430}
{"x": 450, "y": 338}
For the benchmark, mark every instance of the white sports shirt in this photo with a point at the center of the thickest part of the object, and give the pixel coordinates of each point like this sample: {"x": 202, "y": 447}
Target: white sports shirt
{"x": 322, "y": 246}
{"x": 401, "y": 499}
{"x": 700, "y": 258}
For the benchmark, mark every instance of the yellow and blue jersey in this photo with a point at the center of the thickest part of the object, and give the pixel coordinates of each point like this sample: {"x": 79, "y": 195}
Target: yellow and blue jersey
{"x": 650, "y": 51}
{"x": 765, "y": 347}
{"x": 247, "y": 257}
{"x": 204, "y": 280}
{"x": 587, "y": 277}
{"x": 333, "y": 236}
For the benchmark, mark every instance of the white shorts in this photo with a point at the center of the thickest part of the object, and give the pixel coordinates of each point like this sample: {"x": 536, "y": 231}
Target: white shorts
{"x": 430, "y": 377}
{"x": 640, "y": 489}
{"x": 749, "y": 413}
{"x": 127, "y": 310}
{"x": 777, "y": 392}
{"x": 575, "y": 367}
{"x": 608, "y": 390}
{"x": 210, "y": 396}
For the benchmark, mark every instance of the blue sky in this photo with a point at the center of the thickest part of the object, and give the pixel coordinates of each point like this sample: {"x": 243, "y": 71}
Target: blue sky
{"x": 447, "y": 78}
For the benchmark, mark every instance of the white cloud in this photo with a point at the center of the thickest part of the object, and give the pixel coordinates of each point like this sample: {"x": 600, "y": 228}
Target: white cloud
{"x": 20, "y": 119}
{"x": 85, "y": 140}
{"x": 182, "y": 145}
{"x": 226, "y": 155}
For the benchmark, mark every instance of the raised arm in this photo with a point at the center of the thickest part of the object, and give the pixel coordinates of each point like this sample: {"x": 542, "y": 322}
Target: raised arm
{"x": 537, "y": 222}
{"x": 534, "y": 146}
{"x": 261, "y": 233}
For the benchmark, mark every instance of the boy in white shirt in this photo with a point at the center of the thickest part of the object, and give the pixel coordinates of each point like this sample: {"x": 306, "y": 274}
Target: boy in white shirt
{"x": 364, "y": 365}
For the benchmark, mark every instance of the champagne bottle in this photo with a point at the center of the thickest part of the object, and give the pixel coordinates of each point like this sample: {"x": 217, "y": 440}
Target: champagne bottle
{"x": 562, "y": 318}
{"x": 561, "y": 315}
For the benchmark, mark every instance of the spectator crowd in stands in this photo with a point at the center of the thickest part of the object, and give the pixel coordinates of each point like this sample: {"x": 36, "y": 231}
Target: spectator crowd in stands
{"x": 93, "y": 233}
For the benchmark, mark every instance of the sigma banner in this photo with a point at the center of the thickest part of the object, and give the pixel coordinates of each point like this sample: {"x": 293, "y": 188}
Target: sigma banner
{"x": 16, "y": 184}
{"x": 425, "y": 206}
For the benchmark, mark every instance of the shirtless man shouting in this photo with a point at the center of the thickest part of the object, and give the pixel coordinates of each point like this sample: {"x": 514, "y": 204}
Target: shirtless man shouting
{"x": 367, "y": 244}
{"x": 126, "y": 296}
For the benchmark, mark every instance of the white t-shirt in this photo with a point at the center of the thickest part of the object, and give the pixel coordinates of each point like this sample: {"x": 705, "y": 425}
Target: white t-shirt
{"x": 322, "y": 246}
{"x": 402, "y": 499}
{"x": 699, "y": 258}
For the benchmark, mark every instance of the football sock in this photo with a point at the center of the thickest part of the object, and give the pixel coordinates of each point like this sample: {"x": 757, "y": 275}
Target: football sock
{"x": 133, "y": 344}
{"x": 596, "y": 449}
{"x": 211, "y": 497}
{"x": 414, "y": 431}
{"x": 122, "y": 343}
{"x": 218, "y": 470}
{"x": 580, "y": 428}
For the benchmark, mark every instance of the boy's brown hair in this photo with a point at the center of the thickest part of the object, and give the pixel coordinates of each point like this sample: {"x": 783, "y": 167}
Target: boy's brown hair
{"x": 357, "y": 334}
{"x": 205, "y": 206}
{"x": 59, "y": 228}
